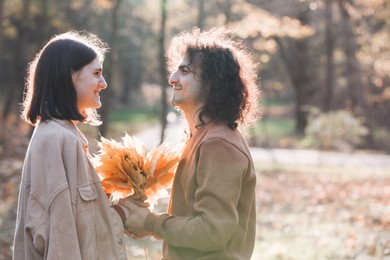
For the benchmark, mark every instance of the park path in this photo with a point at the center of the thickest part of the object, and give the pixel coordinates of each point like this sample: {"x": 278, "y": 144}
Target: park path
{"x": 295, "y": 157}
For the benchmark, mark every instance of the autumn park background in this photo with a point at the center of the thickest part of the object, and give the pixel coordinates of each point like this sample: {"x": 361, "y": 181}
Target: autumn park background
{"x": 321, "y": 148}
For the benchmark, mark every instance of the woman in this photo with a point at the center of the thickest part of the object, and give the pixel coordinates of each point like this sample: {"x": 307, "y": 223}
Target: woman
{"x": 63, "y": 212}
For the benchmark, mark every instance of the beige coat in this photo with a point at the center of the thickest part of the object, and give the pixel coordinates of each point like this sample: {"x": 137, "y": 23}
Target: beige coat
{"x": 63, "y": 212}
{"x": 212, "y": 212}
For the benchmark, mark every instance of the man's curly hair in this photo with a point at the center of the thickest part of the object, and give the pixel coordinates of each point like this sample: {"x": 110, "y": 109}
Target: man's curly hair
{"x": 227, "y": 73}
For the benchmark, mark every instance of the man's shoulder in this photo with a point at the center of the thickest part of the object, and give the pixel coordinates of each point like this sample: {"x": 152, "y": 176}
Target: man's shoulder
{"x": 223, "y": 133}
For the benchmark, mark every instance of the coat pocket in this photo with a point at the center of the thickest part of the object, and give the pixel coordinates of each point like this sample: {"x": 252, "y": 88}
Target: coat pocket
{"x": 86, "y": 212}
{"x": 87, "y": 193}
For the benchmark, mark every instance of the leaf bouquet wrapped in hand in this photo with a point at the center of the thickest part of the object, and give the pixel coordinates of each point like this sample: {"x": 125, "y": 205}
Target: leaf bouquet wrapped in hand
{"x": 127, "y": 168}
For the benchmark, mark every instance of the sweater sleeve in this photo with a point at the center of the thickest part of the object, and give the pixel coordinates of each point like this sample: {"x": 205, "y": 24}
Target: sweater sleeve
{"x": 220, "y": 170}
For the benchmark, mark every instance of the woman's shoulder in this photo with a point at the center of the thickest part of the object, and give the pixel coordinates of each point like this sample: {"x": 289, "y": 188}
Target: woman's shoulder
{"x": 54, "y": 132}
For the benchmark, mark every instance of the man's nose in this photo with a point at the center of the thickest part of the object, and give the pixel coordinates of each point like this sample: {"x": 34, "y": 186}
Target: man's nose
{"x": 173, "y": 79}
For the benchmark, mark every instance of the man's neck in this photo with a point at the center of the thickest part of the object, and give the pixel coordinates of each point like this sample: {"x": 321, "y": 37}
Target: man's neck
{"x": 192, "y": 118}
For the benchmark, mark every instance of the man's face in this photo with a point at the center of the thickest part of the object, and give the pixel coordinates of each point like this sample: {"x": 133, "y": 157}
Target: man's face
{"x": 186, "y": 86}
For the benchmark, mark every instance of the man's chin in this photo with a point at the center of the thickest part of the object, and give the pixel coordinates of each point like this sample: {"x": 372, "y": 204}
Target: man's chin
{"x": 176, "y": 102}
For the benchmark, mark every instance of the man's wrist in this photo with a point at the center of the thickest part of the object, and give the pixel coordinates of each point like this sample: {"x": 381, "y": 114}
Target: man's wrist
{"x": 150, "y": 220}
{"x": 123, "y": 212}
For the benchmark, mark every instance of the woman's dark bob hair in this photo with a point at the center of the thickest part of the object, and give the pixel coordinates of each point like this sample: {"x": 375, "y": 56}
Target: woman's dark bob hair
{"x": 49, "y": 89}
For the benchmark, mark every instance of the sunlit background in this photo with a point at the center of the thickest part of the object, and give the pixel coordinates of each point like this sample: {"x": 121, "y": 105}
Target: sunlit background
{"x": 321, "y": 147}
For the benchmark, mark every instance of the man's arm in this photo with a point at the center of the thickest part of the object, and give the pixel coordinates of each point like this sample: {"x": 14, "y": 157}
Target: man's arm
{"x": 219, "y": 177}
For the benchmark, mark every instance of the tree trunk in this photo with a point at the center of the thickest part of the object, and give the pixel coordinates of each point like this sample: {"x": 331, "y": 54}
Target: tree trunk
{"x": 1, "y": 20}
{"x": 163, "y": 70}
{"x": 226, "y": 9}
{"x": 14, "y": 93}
{"x": 1, "y": 36}
{"x": 353, "y": 68}
{"x": 329, "y": 45}
{"x": 302, "y": 85}
{"x": 108, "y": 93}
{"x": 126, "y": 86}
{"x": 296, "y": 57}
{"x": 201, "y": 15}
{"x": 132, "y": 73}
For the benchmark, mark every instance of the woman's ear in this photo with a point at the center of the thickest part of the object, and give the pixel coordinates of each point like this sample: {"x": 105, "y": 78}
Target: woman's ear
{"x": 74, "y": 75}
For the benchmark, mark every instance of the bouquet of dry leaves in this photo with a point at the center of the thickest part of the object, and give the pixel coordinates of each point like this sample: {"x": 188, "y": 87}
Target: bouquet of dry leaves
{"x": 126, "y": 168}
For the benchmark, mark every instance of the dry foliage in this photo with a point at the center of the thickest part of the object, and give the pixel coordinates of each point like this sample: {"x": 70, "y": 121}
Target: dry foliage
{"x": 322, "y": 216}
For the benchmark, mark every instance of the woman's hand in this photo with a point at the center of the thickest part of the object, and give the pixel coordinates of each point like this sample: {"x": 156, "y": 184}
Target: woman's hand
{"x": 136, "y": 200}
{"x": 138, "y": 233}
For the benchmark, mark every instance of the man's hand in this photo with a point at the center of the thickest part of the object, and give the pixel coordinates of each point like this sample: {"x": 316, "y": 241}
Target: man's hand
{"x": 137, "y": 216}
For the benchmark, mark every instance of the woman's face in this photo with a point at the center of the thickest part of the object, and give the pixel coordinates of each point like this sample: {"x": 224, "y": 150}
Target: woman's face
{"x": 88, "y": 82}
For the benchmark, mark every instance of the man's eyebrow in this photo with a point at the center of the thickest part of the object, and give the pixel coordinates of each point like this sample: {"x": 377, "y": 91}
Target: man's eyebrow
{"x": 184, "y": 67}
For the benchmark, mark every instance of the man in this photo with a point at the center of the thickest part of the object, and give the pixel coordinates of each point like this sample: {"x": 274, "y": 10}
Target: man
{"x": 212, "y": 212}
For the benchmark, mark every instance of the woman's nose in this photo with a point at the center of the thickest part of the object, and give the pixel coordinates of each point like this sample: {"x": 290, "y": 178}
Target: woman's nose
{"x": 103, "y": 83}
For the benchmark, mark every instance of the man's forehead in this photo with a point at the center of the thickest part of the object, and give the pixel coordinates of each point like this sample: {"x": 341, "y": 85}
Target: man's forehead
{"x": 184, "y": 62}
{"x": 191, "y": 64}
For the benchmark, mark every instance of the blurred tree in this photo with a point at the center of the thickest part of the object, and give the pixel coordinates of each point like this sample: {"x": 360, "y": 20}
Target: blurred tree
{"x": 201, "y": 14}
{"x": 329, "y": 45}
{"x": 111, "y": 63}
{"x": 353, "y": 68}
{"x": 371, "y": 28}
{"x": 226, "y": 9}
{"x": 304, "y": 57}
{"x": 1, "y": 21}
{"x": 163, "y": 70}
{"x": 291, "y": 35}
{"x": 2, "y": 29}
{"x": 132, "y": 70}
{"x": 296, "y": 56}
{"x": 21, "y": 21}
{"x": 136, "y": 51}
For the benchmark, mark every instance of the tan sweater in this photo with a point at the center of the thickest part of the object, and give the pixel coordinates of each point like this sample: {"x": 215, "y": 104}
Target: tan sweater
{"x": 63, "y": 212}
{"x": 212, "y": 211}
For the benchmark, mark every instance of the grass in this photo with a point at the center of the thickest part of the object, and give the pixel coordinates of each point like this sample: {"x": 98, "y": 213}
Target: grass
{"x": 144, "y": 115}
{"x": 131, "y": 121}
{"x": 273, "y": 132}
{"x": 276, "y": 127}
